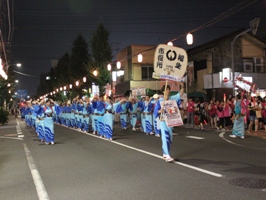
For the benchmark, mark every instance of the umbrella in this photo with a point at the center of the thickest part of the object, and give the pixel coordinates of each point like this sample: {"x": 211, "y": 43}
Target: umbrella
{"x": 198, "y": 95}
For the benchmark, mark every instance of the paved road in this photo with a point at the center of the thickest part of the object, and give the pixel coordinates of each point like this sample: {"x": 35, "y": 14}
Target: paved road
{"x": 208, "y": 165}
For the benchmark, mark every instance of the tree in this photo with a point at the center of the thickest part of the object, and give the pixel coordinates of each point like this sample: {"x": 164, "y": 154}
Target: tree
{"x": 101, "y": 55}
{"x": 6, "y": 90}
{"x": 79, "y": 58}
{"x": 62, "y": 70}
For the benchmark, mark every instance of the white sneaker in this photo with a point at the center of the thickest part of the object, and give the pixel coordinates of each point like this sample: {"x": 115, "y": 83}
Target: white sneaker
{"x": 133, "y": 129}
{"x": 169, "y": 159}
{"x": 151, "y": 133}
{"x": 52, "y": 143}
{"x": 232, "y": 136}
{"x": 93, "y": 133}
{"x": 157, "y": 135}
{"x": 242, "y": 137}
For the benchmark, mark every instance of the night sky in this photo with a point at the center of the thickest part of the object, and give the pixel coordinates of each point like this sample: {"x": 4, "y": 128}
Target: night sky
{"x": 45, "y": 29}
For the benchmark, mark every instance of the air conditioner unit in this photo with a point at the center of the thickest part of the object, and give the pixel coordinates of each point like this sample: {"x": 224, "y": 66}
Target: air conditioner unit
{"x": 259, "y": 65}
{"x": 248, "y": 66}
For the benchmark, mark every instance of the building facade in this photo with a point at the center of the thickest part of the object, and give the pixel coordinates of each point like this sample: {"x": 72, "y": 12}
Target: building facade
{"x": 209, "y": 66}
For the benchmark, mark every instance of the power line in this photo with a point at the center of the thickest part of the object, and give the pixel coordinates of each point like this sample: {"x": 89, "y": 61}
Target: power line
{"x": 26, "y": 74}
{"x": 220, "y": 17}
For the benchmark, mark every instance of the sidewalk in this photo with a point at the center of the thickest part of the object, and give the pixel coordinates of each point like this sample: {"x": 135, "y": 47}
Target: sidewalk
{"x": 261, "y": 134}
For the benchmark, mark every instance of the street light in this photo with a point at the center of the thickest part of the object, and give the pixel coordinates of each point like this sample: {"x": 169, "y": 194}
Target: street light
{"x": 253, "y": 27}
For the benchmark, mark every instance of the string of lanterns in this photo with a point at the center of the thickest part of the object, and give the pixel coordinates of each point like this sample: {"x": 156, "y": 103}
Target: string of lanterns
{"x": 109, "y": 68}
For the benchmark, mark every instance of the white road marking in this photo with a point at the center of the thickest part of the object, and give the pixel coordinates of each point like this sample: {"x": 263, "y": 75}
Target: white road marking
{"x": 159, "y": 156}
{"x": 179, "y": 163}
{"x": 40, "y": 188}
{"x": 7, "y": 127}
{"x": 19, "y": 132}
{"x": 195, "y": 137}
{"x": 221, "y": 135}
{"x": 13, "y": 138}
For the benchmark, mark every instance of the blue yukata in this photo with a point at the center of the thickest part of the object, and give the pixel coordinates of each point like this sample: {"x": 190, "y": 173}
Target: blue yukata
{"x": 94, "y": 121}
{"x": 68, "y": 115}
{"x": 146, "y": 118}
{"x": 99, "y": 111}
{"x": 40, "y": 125}
{"x": 35, "y": 110}
{"x": 79, "y": 114}
{"x": 156, "y": 121}
{"x": 132, "y": 108}
{"x": 166, "y": 132}
{"x": 48, "y": 125}
{"x": 59, "y": 118}
{"x": 239, "y": 124}
{"x": 72, "y": 116}
{"x": 87, "y": 110}
{"x": 122, "y": 110}
{"x": 22, "y": 109}
{"x": 108, "y": 121}
{"x": 27, "y": 114}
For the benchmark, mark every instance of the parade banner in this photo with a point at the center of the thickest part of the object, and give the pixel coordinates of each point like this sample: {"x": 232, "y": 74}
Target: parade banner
{"x": 172, "y": 114}
{"x": 245, "y": 85}
{"x": 170, "y": 62}
{"x": 140, "y": 91}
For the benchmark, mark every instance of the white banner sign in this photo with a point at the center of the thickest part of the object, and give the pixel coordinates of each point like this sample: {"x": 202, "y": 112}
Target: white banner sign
{"x": 172, "y": 114}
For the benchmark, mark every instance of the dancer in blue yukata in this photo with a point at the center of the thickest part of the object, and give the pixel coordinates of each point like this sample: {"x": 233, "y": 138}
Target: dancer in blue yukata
{"x": 40, "y": 122}
{"x": 239, "y": 125}
{"x": 49, "y": 123}
{"x": 79, "y": 113}
{"x": 156, "y": 122}
{"x": 73, "y": 110}
{"x": 167, "y": 132}
{"x": 68, "y": 114}
{"x": 87, "y": 110}
{"x": 146, "y": 117}
{"x": 108, "y": 119}
{"x": 99, "y": 111}
{"x": 121, "y": 108}
{"x": 133, "y": 107}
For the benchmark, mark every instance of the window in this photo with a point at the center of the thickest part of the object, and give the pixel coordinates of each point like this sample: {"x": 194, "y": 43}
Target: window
{"x": 146, "y": 72}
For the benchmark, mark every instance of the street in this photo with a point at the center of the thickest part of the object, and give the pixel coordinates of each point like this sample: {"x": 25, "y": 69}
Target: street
{"x": 209, "y": 165}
